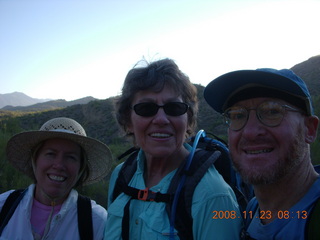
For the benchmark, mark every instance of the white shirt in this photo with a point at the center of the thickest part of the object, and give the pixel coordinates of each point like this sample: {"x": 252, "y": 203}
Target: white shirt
{"x": 64, "y": 225}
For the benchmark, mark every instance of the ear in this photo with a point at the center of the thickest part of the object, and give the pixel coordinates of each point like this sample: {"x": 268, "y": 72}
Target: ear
{"x": 311, "y": 123}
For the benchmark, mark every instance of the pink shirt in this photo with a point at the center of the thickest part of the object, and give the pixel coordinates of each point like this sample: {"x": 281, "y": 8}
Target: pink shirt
{"x": 40, "y": 215}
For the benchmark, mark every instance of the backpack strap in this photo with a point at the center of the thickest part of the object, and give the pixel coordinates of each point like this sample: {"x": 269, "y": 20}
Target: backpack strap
{"x": 85, "y": 225}
{"x": 10, "y": 206}
{"x": 312, "y": 230}
{"x": 126, "y": 172}
{"x": 202, "y": 160}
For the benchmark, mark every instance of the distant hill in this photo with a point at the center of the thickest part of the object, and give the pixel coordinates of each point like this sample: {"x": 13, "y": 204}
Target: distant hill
{"x": 49, "y": 105}
{"x": 18, "y": 99}
{"x": 97, "y": 116}
{"x": 309, "y": 71}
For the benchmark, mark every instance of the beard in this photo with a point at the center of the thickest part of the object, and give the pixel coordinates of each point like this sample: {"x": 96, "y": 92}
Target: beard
{"x": 296, "y": 154}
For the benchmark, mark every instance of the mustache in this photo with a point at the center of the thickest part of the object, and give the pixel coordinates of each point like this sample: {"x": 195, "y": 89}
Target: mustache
{"x": 259, "y": 140}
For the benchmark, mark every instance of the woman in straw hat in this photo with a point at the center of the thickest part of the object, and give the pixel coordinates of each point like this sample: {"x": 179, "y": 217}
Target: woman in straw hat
{"x": 58, "y": 157}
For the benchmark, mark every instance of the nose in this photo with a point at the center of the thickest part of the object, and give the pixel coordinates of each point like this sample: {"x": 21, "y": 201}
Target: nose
{"x": 58, "y": 161}
{"x": 253, "y": 126}
{"x": 161, "y": 117}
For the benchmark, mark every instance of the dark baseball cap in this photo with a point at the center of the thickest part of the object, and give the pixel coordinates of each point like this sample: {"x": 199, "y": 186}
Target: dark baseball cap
{"x": 231, "y": 87}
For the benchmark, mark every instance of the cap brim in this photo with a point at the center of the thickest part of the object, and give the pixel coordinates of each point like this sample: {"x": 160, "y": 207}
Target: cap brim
{"x": 218, "y": 91}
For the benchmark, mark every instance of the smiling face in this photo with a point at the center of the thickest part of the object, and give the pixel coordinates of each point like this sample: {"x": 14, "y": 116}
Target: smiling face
{"x": 265, "y": 154}
{"x": 161, "y": 135}
{"x": 57, "y": 167}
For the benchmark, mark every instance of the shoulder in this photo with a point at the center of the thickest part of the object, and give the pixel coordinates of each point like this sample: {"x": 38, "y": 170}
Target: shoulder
{"x": 252, "y": 204}
{"x": 26, "y": 200}
{"x": 317, "y": 184}
{"x": 213, "y": 183}
{"x": 212, "y": 196}
{"x": 212, "y": 190}
{"x": 6, "y": 194}
{"x": 99, "y": 219}
{"x": 98, "y": 211}
{"x": 116, "y": 170}
{"x": 114, "y": 176}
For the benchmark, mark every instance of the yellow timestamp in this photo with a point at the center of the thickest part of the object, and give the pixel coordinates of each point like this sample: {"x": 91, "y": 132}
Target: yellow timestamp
{"x": 262, "y": 215}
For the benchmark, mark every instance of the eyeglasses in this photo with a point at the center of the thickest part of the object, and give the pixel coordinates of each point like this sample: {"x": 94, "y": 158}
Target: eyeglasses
{"x": 269, "y": 113}
{"x": 148, "y": 109}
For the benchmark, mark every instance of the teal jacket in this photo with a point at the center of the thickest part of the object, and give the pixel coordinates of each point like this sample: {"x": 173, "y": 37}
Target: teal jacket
{"x": 149, "y": 220}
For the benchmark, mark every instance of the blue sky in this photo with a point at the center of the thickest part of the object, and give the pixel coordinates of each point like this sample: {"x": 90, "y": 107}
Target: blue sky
{"x": 68, "y": 49}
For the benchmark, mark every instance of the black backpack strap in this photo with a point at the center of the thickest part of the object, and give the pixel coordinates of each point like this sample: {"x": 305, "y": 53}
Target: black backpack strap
{"x": 243, "y": 191}
{"x": 312, "y": 230}
{"x": 126, "y": 172}
{"x": 10, "y": 206}
{"x": 129, "y": 151}
{"x": 202, "y": 160}
{"x": 125, "y": 232}
{"x": 146, "y": 194}
{"x": 222, "y": 164}
{"x": 85, "y": 225}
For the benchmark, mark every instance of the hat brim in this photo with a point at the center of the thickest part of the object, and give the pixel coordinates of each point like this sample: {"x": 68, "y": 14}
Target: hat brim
{"x": 19, "y": 151}
{"x": 222, "y": 88}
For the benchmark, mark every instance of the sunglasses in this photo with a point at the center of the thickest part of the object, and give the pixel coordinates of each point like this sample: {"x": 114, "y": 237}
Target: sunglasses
{"x": 149, "y": 109}
{"x": 269, "y": 114}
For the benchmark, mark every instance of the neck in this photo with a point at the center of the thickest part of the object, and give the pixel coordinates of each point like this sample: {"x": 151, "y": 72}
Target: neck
{"x": 158, "y": 168}
{"x": 44, "y": 198}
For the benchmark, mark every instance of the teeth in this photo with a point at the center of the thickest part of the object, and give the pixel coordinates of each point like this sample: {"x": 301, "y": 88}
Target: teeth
{"x": 160, "y": 135}
{"x": 259, "y": 151}
{"x": 57, "y": 178}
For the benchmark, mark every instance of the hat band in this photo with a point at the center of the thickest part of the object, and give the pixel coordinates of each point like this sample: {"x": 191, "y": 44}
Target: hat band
{"x": 62, "y": 130}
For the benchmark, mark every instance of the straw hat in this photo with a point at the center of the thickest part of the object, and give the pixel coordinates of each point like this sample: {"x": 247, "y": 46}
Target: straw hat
{"x": 20, "y": 147}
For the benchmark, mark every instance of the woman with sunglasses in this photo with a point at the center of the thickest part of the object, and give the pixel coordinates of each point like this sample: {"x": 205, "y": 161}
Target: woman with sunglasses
{"x": 158, "y": 109}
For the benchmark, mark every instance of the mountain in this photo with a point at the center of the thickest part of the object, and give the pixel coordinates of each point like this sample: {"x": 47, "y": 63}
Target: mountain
{"x": 309, "y": 71}
{"x": 49, "y": 105}
{"x": 18, "y": 99}
{"x": 97, "y": 116}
